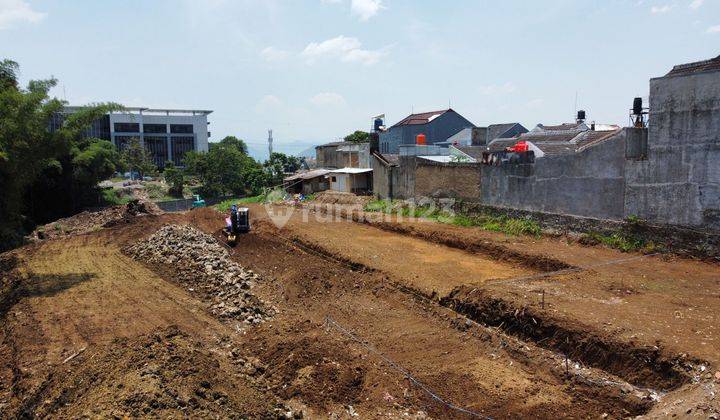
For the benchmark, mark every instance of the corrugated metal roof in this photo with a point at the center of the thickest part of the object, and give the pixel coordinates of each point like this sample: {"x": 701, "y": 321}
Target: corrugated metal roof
{"x": 351, "y": 170}
{"x": 307, "y": 175}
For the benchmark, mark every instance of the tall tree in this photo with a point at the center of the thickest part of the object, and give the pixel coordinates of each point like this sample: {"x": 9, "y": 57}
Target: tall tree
{"x": 278, "y": 165}
{"x": 224, "y": 169}
{"x": 44, "y": 173}
{"x": 138, "y": 159}
{"x": 235, "y": 142}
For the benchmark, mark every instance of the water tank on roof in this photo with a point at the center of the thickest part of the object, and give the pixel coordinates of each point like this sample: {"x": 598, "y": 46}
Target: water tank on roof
{"x": 580, "y": 116}
{"x": 420, "y": 139}
{"x": 637, "y": 106}
{"x": 377, "y": 124}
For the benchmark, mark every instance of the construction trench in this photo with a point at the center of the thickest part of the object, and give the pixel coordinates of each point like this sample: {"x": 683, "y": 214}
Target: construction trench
{"x": 339, "y": 319}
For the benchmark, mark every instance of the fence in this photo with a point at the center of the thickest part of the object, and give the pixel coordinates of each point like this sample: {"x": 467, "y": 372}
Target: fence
{"x": 186, "y": 203}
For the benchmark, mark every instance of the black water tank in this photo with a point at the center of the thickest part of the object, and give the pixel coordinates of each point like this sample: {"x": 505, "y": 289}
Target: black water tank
{"x": 581, "y": 115}
{"x": 637, "y": 106}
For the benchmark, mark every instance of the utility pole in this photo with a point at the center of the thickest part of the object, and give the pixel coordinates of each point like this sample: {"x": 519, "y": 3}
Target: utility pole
{"x": 270, "y": 142}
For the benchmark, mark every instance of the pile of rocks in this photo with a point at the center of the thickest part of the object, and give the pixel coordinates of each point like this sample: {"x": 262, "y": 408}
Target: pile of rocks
{"x": 90, "y": 221}
{"x": 204, "y": 266}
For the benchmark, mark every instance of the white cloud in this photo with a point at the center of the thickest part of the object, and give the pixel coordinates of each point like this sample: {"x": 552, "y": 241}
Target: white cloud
{"x": 696, "y": 4}
{"x": 713, "y": 29}
{"x": 274, "y": 55}
{"x": 268, "y": 103}
{"x": 16, "y": 11}
{"x": 365, "y": 9}
{"x": 489, "y": 90}
{"x": 655, "y": 10}
{"x": 328, "y": 99}
{"x": 346, "y": 49}
{"x": 330, "y": 1}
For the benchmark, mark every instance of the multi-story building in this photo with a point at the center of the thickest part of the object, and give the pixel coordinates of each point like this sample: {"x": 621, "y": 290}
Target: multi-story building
{"x": 167, "y": 133}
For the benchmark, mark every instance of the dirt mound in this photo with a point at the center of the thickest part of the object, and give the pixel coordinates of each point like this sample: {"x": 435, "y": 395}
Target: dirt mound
{"x": 336, "y": 197}
{"x": 203, "y": 266}
{"x": 309, "y": 365}
{"x": 89, "y": 221}
{"x": 165, "y": 374}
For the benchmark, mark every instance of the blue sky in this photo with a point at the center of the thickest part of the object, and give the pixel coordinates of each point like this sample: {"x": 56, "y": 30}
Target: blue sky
{"x": 316, "y": 70}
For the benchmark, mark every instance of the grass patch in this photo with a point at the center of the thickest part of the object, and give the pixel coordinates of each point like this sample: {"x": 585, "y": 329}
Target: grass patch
{"x": 110, "y": 197}
{"x": 267, "y": 197}
{"x": 618, "y": 240}
{"x": 503, "y": 224}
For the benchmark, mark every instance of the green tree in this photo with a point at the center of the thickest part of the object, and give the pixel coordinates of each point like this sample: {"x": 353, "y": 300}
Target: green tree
{"x": 358, "y": 137}
{"x": 278, "y": 165}
{"x": 234, "y": 142}
{"x": 45, "y": 174}
{"x": 224, "y": 169}
{"x": 175, "y": 178}
{"x": 95, "y": 160}
{"x": 138, "y": 159}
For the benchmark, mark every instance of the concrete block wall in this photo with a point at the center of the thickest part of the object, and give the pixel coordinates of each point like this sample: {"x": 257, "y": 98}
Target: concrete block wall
{"x": 679, "y": 183}
{"x": 589, "y": 183}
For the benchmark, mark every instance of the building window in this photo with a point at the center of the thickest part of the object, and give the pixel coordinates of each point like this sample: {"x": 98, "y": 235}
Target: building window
{"x": 154, "y": 128}
{"x": 180, "y": 146}
{"x": 121, "y": 142}
{"x": 181, "y": 128}
{"x": 127, "y": 127}
{"x": 157, "y": 146}
{"x": 333, "y": 179}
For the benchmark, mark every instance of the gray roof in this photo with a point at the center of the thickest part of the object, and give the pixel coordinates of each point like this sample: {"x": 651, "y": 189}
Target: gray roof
{"x": 307, "y": 175}
{"x": 334, "y": 144}
{"x": 389, "y": 158}
{"x": 472, "y": 151}
{"x": 556, "y": 144}
{"x": 497, "y": 130}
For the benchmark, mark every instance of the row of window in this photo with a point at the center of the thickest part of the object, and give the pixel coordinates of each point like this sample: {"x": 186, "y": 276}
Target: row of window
{"x": 153, "y": 128}
{"x": 157, "y": 146}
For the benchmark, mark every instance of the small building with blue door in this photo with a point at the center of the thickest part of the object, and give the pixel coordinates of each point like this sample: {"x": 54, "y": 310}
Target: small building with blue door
{"x": 437, "y": 126}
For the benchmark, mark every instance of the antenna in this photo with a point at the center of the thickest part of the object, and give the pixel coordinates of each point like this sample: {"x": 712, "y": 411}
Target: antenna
{"x": 270, "y": 142}
{"x": 575, "y": 110}
{"x": 64, "y": 95}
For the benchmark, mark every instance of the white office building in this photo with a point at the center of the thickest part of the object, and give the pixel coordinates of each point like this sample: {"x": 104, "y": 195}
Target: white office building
{"x": 167, "y": 133}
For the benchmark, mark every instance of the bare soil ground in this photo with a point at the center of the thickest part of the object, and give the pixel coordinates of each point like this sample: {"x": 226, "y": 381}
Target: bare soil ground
{"x": 372, "y": 317}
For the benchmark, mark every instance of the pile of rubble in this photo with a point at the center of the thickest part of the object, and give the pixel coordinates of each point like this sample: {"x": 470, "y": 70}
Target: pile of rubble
{"x": 90, "y": 221}
{"x": 203, "y": 266}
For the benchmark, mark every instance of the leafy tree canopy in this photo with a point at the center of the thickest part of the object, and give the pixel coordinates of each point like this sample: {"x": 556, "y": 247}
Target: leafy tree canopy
{"x": 358, "y": 137}
{"x": 45, "y": 174}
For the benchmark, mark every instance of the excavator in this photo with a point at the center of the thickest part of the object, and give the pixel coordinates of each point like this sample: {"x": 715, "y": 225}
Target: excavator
{"x": 236, "y": 223}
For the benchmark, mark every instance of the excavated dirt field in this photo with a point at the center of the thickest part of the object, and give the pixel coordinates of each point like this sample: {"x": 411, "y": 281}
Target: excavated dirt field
{"x": 341, "y": 319}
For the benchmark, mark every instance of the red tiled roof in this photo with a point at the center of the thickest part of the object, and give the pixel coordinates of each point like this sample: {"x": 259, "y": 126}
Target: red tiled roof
{"x": 421, "y": 118}
{"x": 712, "y": 64}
